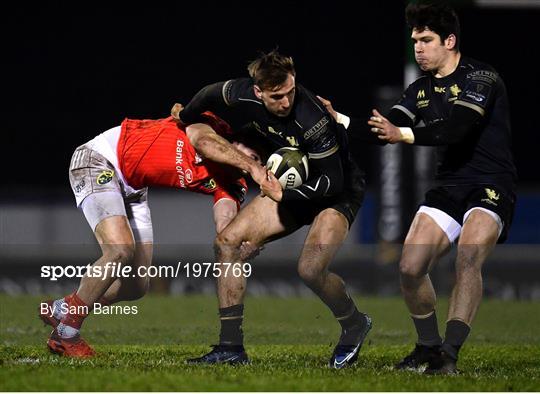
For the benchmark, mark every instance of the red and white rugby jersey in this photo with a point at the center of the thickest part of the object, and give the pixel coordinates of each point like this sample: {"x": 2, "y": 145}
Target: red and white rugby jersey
{"x": 158, "y": 153}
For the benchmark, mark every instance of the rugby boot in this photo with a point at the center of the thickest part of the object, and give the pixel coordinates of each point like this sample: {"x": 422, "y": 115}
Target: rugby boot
{"x": 222, "y": 354}
{"x": 420, "y": 356}
{"x": 69, "y": 347}
{"x": 443, "y": 364}
{"x": 349, "y": 345}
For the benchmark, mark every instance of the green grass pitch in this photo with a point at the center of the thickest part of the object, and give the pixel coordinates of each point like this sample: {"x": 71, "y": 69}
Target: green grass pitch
{"x": 289, "y": 341}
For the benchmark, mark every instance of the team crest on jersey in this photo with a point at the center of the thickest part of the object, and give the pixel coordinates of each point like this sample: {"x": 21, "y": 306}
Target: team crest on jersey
{"x": 455, "y": 90}
{"x": 105, "y": 177}
{"x": 210, "y": 184}
{"x": 492, "y": 196}
{"x": 198, "y": 158}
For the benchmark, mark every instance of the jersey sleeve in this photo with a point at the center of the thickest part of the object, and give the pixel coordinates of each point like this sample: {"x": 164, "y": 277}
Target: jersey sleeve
{"x": 480, "y": 90}
{"x": 235, "y": 191}
{"x": 237, "y": 90}
{"x": 407, "y": 102}
{"x": 321, "y": 139}
{"x": 217, "y": 124}
{"x": 209, "y": 98}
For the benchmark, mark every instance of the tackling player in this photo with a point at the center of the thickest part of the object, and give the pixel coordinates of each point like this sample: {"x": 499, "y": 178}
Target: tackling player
{"x": 110, "y": 176}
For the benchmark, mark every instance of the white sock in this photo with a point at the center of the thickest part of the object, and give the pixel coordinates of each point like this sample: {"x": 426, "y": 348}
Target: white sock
{"x": 66, "y": 331}
{"x": 57, "y": 308}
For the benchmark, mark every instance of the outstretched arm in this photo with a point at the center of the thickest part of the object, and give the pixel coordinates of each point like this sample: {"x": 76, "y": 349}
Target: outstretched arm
{"x": 356, "y": 129}
{"x": 216, "y": 148}
{"x": 461, "y": 122}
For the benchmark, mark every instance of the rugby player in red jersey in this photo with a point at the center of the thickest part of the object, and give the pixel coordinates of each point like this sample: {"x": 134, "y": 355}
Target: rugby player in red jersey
{"x": 110, "y": 176}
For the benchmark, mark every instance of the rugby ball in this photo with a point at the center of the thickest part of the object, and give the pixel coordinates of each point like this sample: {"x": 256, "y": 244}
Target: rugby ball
{"x": 290, "y": 166}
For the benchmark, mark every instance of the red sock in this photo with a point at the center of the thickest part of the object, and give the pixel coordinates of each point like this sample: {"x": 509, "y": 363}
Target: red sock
{"x": 77, "y": 311}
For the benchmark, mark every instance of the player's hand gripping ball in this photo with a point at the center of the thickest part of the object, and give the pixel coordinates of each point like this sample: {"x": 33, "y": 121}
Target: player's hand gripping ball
{"x": 290, "y": 166}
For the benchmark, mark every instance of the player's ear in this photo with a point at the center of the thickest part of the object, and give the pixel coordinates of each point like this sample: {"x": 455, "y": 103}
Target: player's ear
{"x": 450, "y": 42}
{"x": 258, "y": 92}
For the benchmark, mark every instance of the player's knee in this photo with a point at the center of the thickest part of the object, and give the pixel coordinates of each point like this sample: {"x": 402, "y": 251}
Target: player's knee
{"x": 410, "y": 269}
{"x": 120, "y": 253}
{"x": 469, "y": 259}
{"x": 310, "y": 274}
{"x": 225, "y": 243}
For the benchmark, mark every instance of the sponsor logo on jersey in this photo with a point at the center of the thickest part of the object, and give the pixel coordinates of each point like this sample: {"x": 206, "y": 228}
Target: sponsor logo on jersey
{"x": 316, "y": 130}
{"x": 105, "y": 177}
{"x": 179, "y": 161}
{"x": 189, "y": 176}
{"x": 440, "y": 89}
{"x": 79, "y": 186}
{"x": 492, "y": 196}
{"x": 486, "y": 76}
{"x": 475, "y": 96}
{"x": 422, "y": 103}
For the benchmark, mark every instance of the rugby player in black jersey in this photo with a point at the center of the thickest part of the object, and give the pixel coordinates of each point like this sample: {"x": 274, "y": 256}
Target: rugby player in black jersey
{"x": 286, "y": 114}
{"x": 464, "y": 109}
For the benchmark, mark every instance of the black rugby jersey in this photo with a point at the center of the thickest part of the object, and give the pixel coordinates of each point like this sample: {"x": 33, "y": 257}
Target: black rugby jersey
{"x": 483, "y": 155}
{"x": 309, "y": 127}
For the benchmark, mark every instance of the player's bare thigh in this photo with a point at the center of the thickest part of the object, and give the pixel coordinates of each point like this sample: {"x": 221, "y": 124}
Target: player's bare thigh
{"x": 326, "y": 234}
{"x": 329, "y": 227}
{"x": 480, "y": 228}
{"x": 479, "y": 235}
{"x": 260, "y": 221}
{"x": 425, "y": 243}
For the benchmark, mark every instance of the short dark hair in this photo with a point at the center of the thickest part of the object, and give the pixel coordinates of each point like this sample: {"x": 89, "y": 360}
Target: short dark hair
{"x": 436, "y": 16}
{"x": 271, "y": 69}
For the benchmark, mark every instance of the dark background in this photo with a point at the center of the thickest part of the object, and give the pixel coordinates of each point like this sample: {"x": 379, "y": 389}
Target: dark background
{"x": 74, "y": 69}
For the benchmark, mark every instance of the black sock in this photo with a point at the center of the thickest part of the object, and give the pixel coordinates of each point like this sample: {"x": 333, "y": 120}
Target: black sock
{"x": 456, "y": 334}
{"x": 231, "y": 319}
{"x": 349, "y": 317}
{"x": 354, "y": 320}
{"x": 427, "y": 330}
